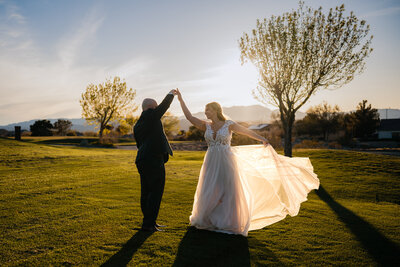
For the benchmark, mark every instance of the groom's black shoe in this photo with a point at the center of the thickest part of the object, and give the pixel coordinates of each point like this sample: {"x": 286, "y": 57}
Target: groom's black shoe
{"x": 159, "y": 225}
{"x": 151, "y": 229}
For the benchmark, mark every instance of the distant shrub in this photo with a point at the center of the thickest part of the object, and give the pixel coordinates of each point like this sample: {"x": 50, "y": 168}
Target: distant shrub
{"x": 194, "y": 134}
{"x": 26, "y": 133}
{"x": 4, "y": 133}
{"x": 110, "y": 139}
{"x": 335, "y": 145}
{"x": 90, "y": 133}
{"x": 309, "y": 144}
{"x": 107, "y": 141}
{"x": 72, "y": 133}
{"x": 84, "y": 142}
{"x": 346, "y": 140}
{"x": 181, "y": 136}
{"x": 239, "y": 140}
{"x": 274, "y": 135}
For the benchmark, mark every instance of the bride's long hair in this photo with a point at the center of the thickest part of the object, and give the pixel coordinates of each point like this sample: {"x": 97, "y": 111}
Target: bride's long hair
{"x": 217, "y": 108}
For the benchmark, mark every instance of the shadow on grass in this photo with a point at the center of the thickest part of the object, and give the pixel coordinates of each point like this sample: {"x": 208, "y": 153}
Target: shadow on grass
{"x": 124, "y": 256}
{"x": 262, "y": 256}
{"x": 384, "y": 251}
{"x": 206, "y": 248}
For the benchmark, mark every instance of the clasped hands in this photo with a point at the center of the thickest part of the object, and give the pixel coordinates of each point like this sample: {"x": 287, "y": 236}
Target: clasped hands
{"x": 176, "y": 92}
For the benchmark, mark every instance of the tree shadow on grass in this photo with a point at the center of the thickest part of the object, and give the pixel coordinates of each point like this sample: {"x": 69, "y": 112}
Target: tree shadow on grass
{"x": 384, "y": 251}
{"x": 207, "y": 248}
{"x": 124, "y": 256}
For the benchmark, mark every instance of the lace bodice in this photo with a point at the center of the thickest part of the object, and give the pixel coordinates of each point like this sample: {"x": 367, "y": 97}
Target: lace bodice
{"x": 222, "y": 137}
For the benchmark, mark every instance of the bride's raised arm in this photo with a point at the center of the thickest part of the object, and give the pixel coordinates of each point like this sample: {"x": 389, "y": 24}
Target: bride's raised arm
{"x": 198, "y": 123}
{"x": 237, "y": 128}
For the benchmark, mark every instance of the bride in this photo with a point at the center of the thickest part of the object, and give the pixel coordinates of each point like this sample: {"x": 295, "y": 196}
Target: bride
{"x": 244, "y": 188}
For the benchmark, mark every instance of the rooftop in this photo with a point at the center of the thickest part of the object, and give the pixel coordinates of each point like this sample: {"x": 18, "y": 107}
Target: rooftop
{"x": 389, "y": 125}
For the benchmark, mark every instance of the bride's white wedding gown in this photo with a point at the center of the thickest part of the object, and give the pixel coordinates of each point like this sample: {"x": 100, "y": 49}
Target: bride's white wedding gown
{"x": 245, "y": 188}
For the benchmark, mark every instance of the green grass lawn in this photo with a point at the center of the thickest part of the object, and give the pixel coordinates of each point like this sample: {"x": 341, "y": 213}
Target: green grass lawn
{"x": 72, "y": 205}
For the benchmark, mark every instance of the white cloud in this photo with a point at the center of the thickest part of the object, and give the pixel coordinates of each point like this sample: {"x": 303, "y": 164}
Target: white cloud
{"x": 71, "y": 46}
{"x": 17, "y": 17}
{"x": 12, "y": 13}
{"x": 382, "y": 12}
{"x": 133, "y": 67}
{"x": 38, "y": 85}
{"x": 13, "y": 29}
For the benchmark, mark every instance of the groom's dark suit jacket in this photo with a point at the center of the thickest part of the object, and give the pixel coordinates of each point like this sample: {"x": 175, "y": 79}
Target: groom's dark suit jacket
{"x": 149, "y": 133}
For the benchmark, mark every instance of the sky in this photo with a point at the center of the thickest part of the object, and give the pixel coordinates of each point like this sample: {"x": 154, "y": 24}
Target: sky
{"x": 51, "y": 50}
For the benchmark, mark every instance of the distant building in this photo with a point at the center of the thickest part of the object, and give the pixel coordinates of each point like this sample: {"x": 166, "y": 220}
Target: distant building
{"x": 389, "y": 129}
{"x": 259, "y": 127}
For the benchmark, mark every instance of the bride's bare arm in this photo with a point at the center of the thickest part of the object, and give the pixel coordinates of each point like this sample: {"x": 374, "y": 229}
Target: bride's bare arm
{"x": 237, "y": 128}
{"x": 198, "y": 123}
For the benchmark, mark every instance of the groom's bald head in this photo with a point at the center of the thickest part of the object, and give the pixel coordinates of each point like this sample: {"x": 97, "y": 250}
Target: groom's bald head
{"x": 148, "y": 103}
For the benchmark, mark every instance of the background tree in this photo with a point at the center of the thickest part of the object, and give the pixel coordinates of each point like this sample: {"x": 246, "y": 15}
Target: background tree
{"x": 362, "y": 122}
{"x": 41, "y": 128}
{"x": 180, "y": 136}
{"x": 238, "y": 139}
{"x": 170, "y": 123}
{"x": 303, "y": 51}
{"x": 320, "y": 120}
{"x": 104, "y": 103}
{"x": 131, "y": 121}
{"x": 4, "y": 133}
{"x": 62, "y": 126}
{"x": 308, "y": 125}
{"x": 194, "y": 134}
{"x": 123, "y": 128}
{"x": 126, "y": 125}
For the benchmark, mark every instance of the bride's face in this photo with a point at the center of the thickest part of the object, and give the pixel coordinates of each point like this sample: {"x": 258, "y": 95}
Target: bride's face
{"x": 209, "y": 112}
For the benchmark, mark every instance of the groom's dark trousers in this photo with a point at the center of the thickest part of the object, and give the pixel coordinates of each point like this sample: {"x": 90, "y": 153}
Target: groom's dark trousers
{"x": 153, "y": 152}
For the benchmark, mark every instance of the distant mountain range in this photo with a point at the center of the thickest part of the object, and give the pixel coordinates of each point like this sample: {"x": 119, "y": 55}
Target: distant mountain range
{"x": 77, "y": 124}
{"x": 252, "y": 114}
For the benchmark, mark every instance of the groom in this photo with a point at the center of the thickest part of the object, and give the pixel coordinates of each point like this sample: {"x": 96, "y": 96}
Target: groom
{"x": 153, "y": 152}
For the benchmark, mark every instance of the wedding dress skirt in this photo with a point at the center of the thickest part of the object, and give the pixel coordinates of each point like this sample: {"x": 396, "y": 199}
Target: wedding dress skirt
{"x": 245, "y": 188}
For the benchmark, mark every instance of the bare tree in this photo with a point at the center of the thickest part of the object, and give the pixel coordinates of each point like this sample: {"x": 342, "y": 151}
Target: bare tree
{"x": 62, "y": 126}
{"x": 322, "y": 119}
{"x": 107, "y": 102}
{"x": 303, "y": 51}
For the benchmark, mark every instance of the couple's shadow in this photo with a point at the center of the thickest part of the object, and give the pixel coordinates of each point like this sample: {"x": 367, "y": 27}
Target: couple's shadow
{"x": 125, "y": 254}
{"x": 197, "y": 248}
{"x": 207, "y": 248}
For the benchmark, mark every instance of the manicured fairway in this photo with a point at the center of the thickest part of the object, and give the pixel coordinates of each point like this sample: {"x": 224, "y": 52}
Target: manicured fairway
{"x": 80, "y": 206}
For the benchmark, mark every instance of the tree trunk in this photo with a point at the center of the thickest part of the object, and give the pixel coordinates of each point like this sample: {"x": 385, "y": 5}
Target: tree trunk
{"x": 288, "y": 140}
{"x": 101, "y": 131}
{"x": 287, "y": 123}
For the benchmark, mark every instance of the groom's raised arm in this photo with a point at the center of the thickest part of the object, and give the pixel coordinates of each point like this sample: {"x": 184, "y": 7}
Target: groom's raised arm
{"x": 164, "y": 105}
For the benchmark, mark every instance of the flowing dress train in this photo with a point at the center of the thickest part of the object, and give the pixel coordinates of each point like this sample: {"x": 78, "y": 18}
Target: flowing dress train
{"x": 245, "y": 188}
